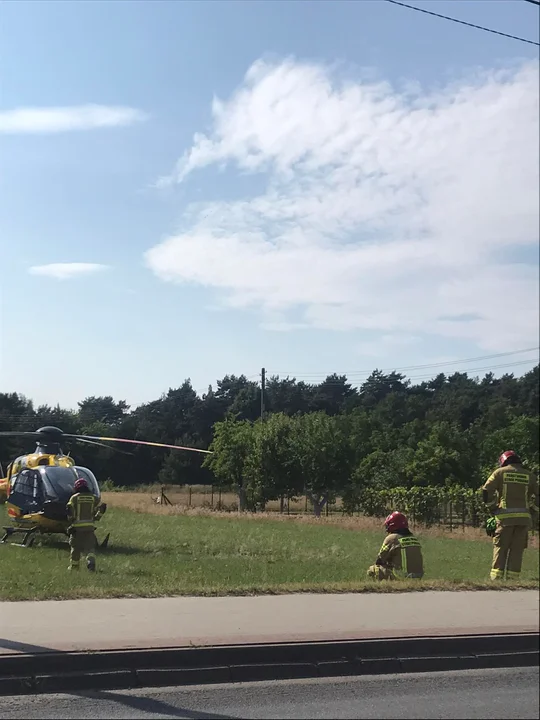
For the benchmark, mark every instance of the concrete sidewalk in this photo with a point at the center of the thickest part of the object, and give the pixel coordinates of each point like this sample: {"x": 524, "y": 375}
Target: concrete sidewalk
{"x": 122, "y": 624}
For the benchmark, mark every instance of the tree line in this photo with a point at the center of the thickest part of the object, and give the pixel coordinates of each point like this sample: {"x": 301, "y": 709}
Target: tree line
{"x": 325, "y": 439}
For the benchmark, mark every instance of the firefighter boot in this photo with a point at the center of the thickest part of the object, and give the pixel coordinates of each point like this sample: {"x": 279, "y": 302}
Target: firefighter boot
{"x": 91, "y": 563}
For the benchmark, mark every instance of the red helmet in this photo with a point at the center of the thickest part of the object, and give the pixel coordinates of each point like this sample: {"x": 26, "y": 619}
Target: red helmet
{"x": 507, "y": 456}
{"x": 80, "y": 485}
{"x": 396, "y": 521}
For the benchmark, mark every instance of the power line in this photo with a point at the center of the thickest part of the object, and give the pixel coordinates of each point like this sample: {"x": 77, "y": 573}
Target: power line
{"x": 489, "y": 368}
{"x": 420, "y": 367}
{"x": 463, "y": 22}
{"x": 430, "y": 376}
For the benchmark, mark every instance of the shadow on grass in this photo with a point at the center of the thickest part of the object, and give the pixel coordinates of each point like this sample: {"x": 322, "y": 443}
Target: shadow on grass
{"x": 111, "y": 549}
{"x": 115, "y": 549}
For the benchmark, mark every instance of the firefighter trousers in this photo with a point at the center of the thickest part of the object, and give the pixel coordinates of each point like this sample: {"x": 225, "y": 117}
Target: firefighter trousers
{"x": 82, "y": 541}
{"x": 509, "y": 543}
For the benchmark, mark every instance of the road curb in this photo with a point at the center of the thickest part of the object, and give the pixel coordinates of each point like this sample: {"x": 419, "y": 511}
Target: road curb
{"x": 119, "y": 669}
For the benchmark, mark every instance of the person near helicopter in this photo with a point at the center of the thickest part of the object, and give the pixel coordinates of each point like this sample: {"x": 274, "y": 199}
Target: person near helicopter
{"x": 83, "y": 511}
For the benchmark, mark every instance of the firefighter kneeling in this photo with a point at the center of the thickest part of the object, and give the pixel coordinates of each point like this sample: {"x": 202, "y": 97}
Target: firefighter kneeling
{"x": 400, "y": 554}
{"x": 83, "y": 511}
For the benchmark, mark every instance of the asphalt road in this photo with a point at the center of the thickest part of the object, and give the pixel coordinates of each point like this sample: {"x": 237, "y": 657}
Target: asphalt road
{"x": 469, "y": 694}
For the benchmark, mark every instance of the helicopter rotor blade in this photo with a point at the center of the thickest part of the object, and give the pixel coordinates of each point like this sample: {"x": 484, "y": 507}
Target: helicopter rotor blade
{"x": 21, "y": 433}
{"x": 141, "y": 442}
{"x": 99, "y": 444}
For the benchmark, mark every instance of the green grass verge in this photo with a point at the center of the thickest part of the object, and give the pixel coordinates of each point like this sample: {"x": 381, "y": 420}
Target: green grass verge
{"x": 152, "y": 555}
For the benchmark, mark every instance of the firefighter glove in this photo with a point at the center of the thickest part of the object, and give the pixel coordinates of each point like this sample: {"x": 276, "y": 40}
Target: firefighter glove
{"x": 491, "y": 526}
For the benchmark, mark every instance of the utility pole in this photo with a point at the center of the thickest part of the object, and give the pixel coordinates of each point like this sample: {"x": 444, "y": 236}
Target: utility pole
{"x": 263, "y": 386}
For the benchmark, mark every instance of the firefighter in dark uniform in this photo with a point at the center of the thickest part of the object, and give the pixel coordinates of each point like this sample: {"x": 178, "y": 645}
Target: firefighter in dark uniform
{"x": 511, "y": 494}
{"x": 83, "y": 511}
{"x": 400, "y": 554}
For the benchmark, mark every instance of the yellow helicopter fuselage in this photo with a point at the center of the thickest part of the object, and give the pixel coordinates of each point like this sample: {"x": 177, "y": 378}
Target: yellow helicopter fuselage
{"x": 36, "y": 518}
{"x": 33, "y": 460}
{"x": 3, "y": 490}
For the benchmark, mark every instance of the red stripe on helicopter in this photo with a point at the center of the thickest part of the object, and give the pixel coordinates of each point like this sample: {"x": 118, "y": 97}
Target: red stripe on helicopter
{"x": 144, "y": 442}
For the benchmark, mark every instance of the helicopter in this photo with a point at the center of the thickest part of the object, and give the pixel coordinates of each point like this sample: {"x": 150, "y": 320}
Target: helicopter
{"x": 38, "y": 486}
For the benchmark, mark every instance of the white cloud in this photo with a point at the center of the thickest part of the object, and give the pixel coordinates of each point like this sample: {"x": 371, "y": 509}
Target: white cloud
{"x": 384, "y": 210}
{"x": 65, "y": 271}
{"x": 386, "y": 345}
{"x": 64, "y": 119}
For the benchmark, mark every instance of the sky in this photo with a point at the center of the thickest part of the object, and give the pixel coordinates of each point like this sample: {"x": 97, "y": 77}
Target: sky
{"x": 191, "y": 189}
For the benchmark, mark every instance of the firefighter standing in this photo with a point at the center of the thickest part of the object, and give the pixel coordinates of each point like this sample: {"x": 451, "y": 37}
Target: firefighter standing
{"x": 400, "y": 553}
{"x": 511, "y": 494}
{"x": 83, "y": 511}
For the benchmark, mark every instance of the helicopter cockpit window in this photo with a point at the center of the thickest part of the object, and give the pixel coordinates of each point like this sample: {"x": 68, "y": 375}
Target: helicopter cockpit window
{"x": 59, "y": 481}
{"x": 27, "y": 483}
{"x": 89, "y": 477}
{"x": 26, "y": 490}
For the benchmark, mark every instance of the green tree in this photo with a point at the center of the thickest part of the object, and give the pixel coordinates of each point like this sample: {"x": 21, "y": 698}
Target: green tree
{"x": 274, "y": 464}
{"x": 333, "y": 395}
{"x": 231, "y": 461}
{"x": 323, "y": 455}
{"x": 102, "y": 410}
{"x": 445, "y": 457}
{"x": 522, "y": 434}
{"x": 182, "y": 467}
{"x": 16, "y": 413}
{"x": 287, "y": 396}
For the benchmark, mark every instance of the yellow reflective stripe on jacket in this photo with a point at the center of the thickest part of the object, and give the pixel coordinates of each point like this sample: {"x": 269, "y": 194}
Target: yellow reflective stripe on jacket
{"x": 409, "y": 542}
{"x": 403, "y": 560}
{"x": 508, "y": 515}
{"x": 404, "y": 543}
{"x": 513, "y": 478}
{"x": 83, "y": 508}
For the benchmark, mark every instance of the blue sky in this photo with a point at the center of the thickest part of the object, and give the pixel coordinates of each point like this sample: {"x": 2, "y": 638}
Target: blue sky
{"x": 305, "y": 186}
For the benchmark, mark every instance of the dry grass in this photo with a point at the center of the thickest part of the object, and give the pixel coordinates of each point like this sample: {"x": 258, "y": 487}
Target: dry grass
{"x": 202, "y": 496}
{"x": 141, "y": 502}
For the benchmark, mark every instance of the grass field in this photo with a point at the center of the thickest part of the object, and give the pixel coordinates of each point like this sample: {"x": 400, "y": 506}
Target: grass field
{"x": 170, "y": 553}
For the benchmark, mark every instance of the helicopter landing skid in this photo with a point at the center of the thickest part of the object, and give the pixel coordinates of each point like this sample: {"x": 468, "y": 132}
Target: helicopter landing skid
{"x": 28, "y": 539}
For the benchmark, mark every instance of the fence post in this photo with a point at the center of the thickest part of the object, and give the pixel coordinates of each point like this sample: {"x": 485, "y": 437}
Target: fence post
{"x": 189, "y": 496}
{"x": 451, "y": 520}
{"x": 212, "y": 498}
